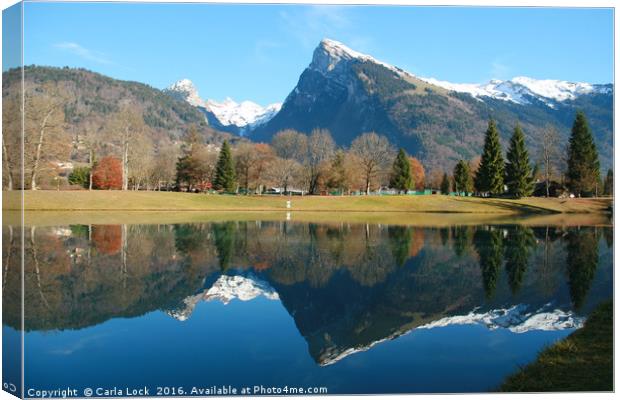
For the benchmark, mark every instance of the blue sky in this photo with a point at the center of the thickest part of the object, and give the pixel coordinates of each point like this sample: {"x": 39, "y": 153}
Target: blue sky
{"x": 257, "y": 52}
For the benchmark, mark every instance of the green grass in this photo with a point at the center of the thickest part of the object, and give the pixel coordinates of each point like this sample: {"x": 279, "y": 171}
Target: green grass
{"x": 581, "y": 362}
{"x": 172, "y": 201}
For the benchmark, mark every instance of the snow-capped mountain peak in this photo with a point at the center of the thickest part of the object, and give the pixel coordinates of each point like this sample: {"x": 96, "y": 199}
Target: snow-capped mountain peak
{"x": 186, "y": 90}
{"x": 332, "y": 55}
{"x": 227, "y": 112}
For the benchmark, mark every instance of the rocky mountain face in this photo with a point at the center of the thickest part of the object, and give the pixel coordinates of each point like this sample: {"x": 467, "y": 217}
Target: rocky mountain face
{"x": 440, "y": 122}
{"x": 228, "y": 116}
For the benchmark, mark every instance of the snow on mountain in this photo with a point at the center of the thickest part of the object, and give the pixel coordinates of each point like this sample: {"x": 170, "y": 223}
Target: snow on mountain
{"x": 228, "y": 112}
{"x": 516, "y": 319}
{"x": 185, "y": 90}
{"x": 226, "y": 289}
{"x": 331, "y": 56}
{"x": 517, "y": 89}
{"x": 246, "y": 113}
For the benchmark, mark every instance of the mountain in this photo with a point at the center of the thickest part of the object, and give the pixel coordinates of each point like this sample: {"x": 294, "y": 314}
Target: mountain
{"x": 92, "y": 98}
{"x": 228, "y": 116}
{"x": 440, "y": 122}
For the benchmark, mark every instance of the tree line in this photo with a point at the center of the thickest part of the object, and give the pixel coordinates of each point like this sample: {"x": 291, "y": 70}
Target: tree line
{"x": 132, "y": 159}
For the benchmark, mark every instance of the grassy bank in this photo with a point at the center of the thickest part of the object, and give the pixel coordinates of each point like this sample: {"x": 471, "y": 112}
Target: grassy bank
{"x": 171, "y": 201}
{"x": 581, "y": 362}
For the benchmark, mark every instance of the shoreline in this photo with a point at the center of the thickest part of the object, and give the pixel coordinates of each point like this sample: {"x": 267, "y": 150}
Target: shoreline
{"x": 583, "y": 361}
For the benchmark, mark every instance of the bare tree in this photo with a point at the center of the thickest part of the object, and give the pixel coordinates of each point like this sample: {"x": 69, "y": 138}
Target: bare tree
{"x": 11, "y": 136}
{"x": 549, "y": 153}
{"x": 127, "y": 126}
{"x": 321, "y": 149}
{"x": 44, "y": 124}
{"x": 290, "y": 145}
{"x": 284, "y": 172}
{"x": 374, "y": 153}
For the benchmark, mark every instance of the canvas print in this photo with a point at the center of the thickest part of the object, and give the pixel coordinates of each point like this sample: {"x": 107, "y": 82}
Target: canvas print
{"x": 221, "y": 199}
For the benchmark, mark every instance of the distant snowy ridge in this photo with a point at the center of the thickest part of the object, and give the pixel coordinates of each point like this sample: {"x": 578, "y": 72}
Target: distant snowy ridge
{"x": 228, "y": 112}
{"x": 516, "y": 319}
{"x": 517, "y": 89}
{"x": 226, "y": 289}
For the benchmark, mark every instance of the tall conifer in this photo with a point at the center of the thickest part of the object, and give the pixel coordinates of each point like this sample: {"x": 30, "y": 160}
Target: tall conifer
{"x": 583, "y": 172}
{"x": 225, "y": 178}
{"x": 401, "y": 179}
{"x": 490, "y": 174}
{"x": 519, "y": 177}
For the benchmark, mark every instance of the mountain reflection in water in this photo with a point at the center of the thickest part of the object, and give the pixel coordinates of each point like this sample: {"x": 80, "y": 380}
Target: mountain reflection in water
{"x": 347, "y": 287}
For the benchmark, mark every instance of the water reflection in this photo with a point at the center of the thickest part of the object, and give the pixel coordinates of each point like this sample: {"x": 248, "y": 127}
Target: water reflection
{"x": 347, "y": 286}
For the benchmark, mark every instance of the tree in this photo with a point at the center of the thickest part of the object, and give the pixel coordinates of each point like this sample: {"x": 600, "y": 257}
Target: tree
{"x": 519, "y": 178}
{"x": 290, "y": 145}
{"x": 463, "y": 182}
{"x": 490, "y": 174}
{"x": 608, "y": 189}
{"x": 490, "y": 247}
{"x": 43, "y": 129}
{"x": 108, "y": 174}
{"x": 127, "y": 127}
{"x": 417, "y": 173}
{"x": 445, "y": 184}
{"x": 245, "y": 160}
{"x": 225, "y": 178}
{"x": 373, "y": 153}
{"x": 283, "y": 172}
{"x": 583, "y": 164}
{"x": 320, "y": 149}
{"x": 549, "y": 153}
{"x": 80, "y": 176}
{"x": 401, "y": 179}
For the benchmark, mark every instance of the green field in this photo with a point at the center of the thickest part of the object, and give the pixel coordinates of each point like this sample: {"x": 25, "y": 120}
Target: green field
{"x": 581, "y": 362}
{"x": 172, "y": 201}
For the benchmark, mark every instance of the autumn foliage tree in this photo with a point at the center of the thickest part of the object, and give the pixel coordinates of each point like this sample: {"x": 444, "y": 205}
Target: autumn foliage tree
{"x": 108, "y": 174}
{"x": 417, "y": 173}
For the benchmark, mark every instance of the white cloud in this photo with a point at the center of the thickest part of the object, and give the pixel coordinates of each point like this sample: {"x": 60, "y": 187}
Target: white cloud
{"x": 83, "y": 52}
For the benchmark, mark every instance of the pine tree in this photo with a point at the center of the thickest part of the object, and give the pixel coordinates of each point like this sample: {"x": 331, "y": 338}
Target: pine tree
{"x": 608, "y": 189}
{"x": 519, "y": 174}
{"x": 225, "y": 178}
{"x": 463, "y": 182}
{"x": 401, "y": 173}
{"x": 445, "y": 184}
{"x": 490, "y": 174}
{"x": 583, "y": 172}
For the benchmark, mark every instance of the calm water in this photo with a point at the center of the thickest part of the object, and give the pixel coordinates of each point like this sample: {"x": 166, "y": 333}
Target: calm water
{"x": 354, "y": 308}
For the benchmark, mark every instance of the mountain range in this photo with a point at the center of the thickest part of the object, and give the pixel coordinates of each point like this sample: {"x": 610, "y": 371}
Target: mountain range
{"x": 348, "y": 93}
{"x": 439, "y": 122}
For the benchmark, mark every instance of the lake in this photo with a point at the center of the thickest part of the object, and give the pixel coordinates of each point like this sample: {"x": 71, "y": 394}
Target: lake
{"x": 351, "y": 307}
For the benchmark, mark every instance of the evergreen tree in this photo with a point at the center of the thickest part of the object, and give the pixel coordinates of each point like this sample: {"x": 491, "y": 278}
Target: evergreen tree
{"x": 490, "y": 174}
{"x": 583, "y": 172}
{"x": 225, "y": 178}
{"x": 445, "y": 184}
{"x": 519, "y": 174}
{"x": 401, "y": 178}
{"x": 608, "y": 189}
{"x": 463, "y": 183}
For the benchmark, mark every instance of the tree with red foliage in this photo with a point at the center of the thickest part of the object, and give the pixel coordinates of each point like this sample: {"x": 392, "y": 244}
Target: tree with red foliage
{"x": 108, "y": 174}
